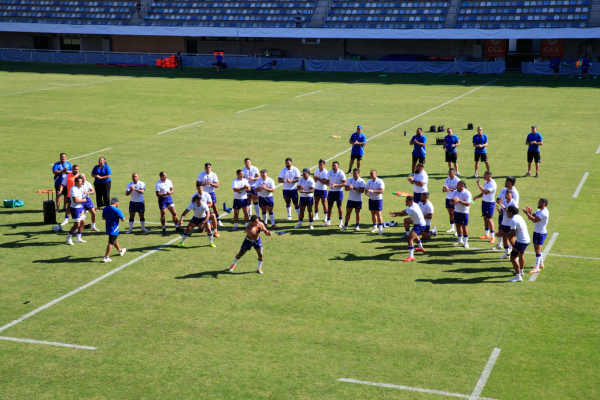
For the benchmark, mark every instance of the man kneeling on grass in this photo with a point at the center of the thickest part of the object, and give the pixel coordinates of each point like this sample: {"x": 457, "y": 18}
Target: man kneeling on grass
{"x": 112, "y": 215}
{"x": 418, "y": 221}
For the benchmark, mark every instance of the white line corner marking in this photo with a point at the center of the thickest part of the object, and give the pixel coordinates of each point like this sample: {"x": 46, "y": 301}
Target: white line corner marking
{"x": 85, "y": 155}
{"x": 485, "y": 374}
{"x": 74, "y": 346}
{"x": 253, "y": 108}
{"x": 581, "y": 184}
{"x": 179, "y": 127}
{"x": 533, "y": 277}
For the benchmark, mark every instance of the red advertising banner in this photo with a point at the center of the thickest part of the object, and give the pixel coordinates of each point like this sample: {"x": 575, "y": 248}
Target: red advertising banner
{"x": 552, "y": 48}
{"x": 495, "y": 48}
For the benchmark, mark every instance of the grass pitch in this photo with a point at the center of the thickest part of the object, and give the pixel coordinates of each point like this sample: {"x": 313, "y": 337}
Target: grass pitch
{"x": 331, "y": 304}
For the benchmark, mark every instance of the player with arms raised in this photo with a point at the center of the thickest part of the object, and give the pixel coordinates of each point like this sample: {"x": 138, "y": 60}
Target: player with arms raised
{"x": 449, "y": 188}
{"x": 540, "y": 218}
{"x": 252, "y": 239}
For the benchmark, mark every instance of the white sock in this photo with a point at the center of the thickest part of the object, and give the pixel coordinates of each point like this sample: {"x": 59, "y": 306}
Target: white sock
{"x": 420, "y": 244}
{"x": 66, "y": 219}
{"x": 264, "y": 217}
{"x": 246, "y": 223}
{"x": 272, "y": 217}
{"x": 316, "y": 214}
{"x": 466, "y": 239}
{"x": 235, "y": 225}
{"x": 298, "y": 211}
{"x": 451, "y": 226}
{"x": 487, "y": 232}
{"x": 380, "y": 228}
{"x": 311, "y": 223}
{"x": 143, "y": 223}
{"x": 460, "y": 239}
{"x": 210, "y": 237}
{"x": 78, "y": 235}
{"x": 260, "y": 264}
{"x": 289, "y": 210}
{"x": 250, "y": 210}
{"x": 93, "y": 225}
{"x": 183, "y": 237}
{"x": 130, "y": 224}
{"x": 411, "y": 251}
{"x": 235, "y": 260}
{"x": 256, "y": 209}
{"x": 70, "y": 235}
{"x": 538, "y": 260}
{"x": 300, "y": 223}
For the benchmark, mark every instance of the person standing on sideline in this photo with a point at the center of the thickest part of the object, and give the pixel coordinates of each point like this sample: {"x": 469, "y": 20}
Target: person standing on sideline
{"x": 67, "y": 187}
{"x": 418, "y": 221}
{"x": 488, "y": 195}
{"x": 252, "y": 175}
{"x": 306, "y": 187}
{"x": 450, "y": 143}
{"x": 336, "y": 180}
{"x": 355, "y": 186}
{"x": 112, "y": 215}
{"x": 518, "y": 230}
{"x": 480, "y": 142}
{"x": 418, "y": 153}
{"x": 136, "y": 190}
{"x": 419, "y": 181}
{"x": 534, "y": 141}
{"x": 585, "y": 66}
{"x": 164, "y": 190}
{"x": 540, "y": 218}
{"x": 289, "y": 176}
{"x": 358, "y": 141}
{"x": 219, "y": 62}
{"x": 77, "y": 213}
{"x": 241, "y": 188}
{"x": 252, "y": 239}
{"x": 210, "y": 181}
{"x": 265, "y": 187}
{"x": 462, "y": 202}
{"x": 60, "y": 170}
{"x": 449, "y": 188}
{"x": 320, "y": 178}
{"x": 374, "y": 189}
{"x": 555, "y": 65}
{"x": 102, "y": 175}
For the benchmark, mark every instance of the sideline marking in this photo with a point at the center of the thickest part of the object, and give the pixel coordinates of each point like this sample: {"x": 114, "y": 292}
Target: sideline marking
{"x": 444, "y": 74}
{"x": 306, "y": 94}
{"x": 253, "y": 108}
{"x": 485, "y": 374}
{"x": 75, "y": 346}
{"x": 598, "y": 151}
{"x": 85, "y": 155}
{"x": 179, "y": 127}
{"x": 581, "y": 184}
{"x": 545, "y": 253}
{"x": 350, "y": 83}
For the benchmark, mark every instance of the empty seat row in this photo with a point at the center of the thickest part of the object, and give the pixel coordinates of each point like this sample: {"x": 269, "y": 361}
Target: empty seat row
{"x": 527, "y": 3}
{"x": 389, "y": 5}
{"x": 525, "y": 10}
{"x": 563, "y": 17}
{"x": 522, "y": 25}
{"x": 385, "y": 19}
{"x": 223, "y": 25}
{"x": 385, "y": 26}
{"x": 69, "y": 22}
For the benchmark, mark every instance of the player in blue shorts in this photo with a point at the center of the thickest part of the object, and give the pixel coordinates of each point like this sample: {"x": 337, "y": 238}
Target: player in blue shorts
{"x": 374, "y": 189}
{"x": 306, "y": 187}
{"x": 488, "y": 195}
{"x": 449, "y": 188}
{"x": 265, "y": 187}
{"x": 136, "y": 190}
{"x": 201, "y": 219}
{"x": 320, "y": 177}
{"x": 252, "y": 239}
{"x": 252, "y": 175}
{"x": 520, "y": 235}
{"x": 112, "y": 215}
{"x": 462, "y": 202}
{"x": 418, "y": 221}
{"x": 289, "y": 176}
{"x": 336, "y": 179}
{"x": 355, "y": 186}
{"x": 241, "y": 188}
{"x": 540, "y": 218}
{"x": 164, "y": 190}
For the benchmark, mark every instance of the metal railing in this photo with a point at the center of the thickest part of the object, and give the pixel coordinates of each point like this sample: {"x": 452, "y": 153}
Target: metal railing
{"x": 130, "y": 53}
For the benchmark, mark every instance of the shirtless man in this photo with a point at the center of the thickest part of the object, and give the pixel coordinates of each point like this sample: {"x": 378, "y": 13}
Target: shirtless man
{"x": 252, "y": 239}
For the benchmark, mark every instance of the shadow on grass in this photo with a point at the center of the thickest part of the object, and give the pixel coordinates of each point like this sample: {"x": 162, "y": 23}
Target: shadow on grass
{"x": 67, "y": 259}
{"x": 213, "y": 274}
{"x": 354, "y": 257}
{"x": 461, "y": 281}
{"x": 19, "y": 211}
{"x": 27, "y": 243}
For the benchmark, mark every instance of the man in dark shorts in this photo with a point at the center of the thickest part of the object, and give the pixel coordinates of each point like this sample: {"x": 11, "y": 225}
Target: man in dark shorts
{"x": 555, "y": 65}
{"x": 60, "y": 170}
{"x": 585, "y": 66}
{"x": 219, "y": 62}
{"x": 358, "y": 141}
{"x": 480, "y": 142}
{"x": 252, "y": 239}
{"x": 450, "y": 143}
{"x": 418, "y": 154}
{"x": 112, "y": 215}
{"x": 534, "y": 141}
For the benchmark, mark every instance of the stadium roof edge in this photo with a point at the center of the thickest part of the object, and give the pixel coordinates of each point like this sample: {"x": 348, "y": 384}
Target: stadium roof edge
{"x": 307, "y": 33}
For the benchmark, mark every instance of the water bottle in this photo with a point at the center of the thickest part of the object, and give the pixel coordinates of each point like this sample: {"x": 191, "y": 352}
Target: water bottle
{"x": 404, "y": 133}
{"x": 281, "y": 233}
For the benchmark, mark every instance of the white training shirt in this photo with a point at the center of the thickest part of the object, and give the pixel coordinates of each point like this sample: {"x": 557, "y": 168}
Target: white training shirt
{"x": 252, "y": 173}
{"x": 502, "y": 194}
{"x": 517, "y": 222}
{"x": 306, "y": 184}
{"x": 336, "y": 178}
{"x": 415, "y": 214}
{"x": 163, "y": 187}
{"x": 320, "y": 175}
{"x": 426, "y": 208}
{"x": 540, "y": 227}
{"x": 236, "y": 184}
{"x": 205, "y": 197}
{"x": 375, "y": 185}
{"x": 465, "y": 195}
{"x": 199, "y": 211}
{"x": 353, "y": 195}
{"x": 421, "y": 177}
{"x": 451, "y": 184}
{"x": 203, "y": 177}
{"x": 85, "y": 189}
{"x": 491, "y": 186}
{"x": 505, "y": 219}
{"x": 292, "y": 174}
{"x": 135, "y": 196}
{"x": 269, "y": 183}
{"x": 76, "y": 192}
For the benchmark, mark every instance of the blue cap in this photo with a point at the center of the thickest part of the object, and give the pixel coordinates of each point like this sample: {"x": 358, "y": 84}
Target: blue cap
{"x": 359, "y": 127}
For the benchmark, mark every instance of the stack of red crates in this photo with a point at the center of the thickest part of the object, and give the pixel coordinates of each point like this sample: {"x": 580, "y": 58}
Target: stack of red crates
{"x": 169, "y": 62}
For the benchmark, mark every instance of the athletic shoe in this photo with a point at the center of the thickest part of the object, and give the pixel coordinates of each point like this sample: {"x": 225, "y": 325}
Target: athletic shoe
{"x": 537, "y": 175}
{"x": 450, "y": 231}
{"x": 144, "y": 230}
{"x": 274, "y": 227}
{"x": 164, "y": 231}
{"x": 259, "y": 271}
{"x": 180, "y": 244}
{"x": 516, "y": 279}
{"x": 526, "y": 175}
{"x": 64, "y": 222}
{"x": 421, "y": 250}
{"x": 328, "y": 223}
{"x": 459, "y": 243}
{"x": 484, "y": 237}
{"x": 129, "y": 231}
{"x": 122, "y": 252}
{"x": 374, "y": 230}
{"x": 216, "y": 234}
{"x": 341, "y": 224}
{"x": 212, "y": 245}
{"x": 381, "y": 231}
{"x": 522, "y": 273}
{"x": 343, "y": 228}
{"x": 434, "y": 231}
{"x": 497, "y": 247}
{"x": 455, "y": 234}
{"x": 106, "y": 259}
{"x": 311, "y": 227}
{"x": 95, "y": 229}
{"x": 475, "y": 176}
{"x": 492, "y": 239}
{"x": 219, "y": 223}
{"x": 466, "y": 245}
{"x": 234, "y": 228}
{"x": 79, "y": 240}
{"x": 69, "y": 241}
{"x": 357, "y": 228}
{"x": 349, "y": 171}
{"x": 411, "y": 174}
{"x": 298, "y": 226}
{"x": 232, "y": 268}
{"x": 535, "y": 270}
{"x": 288, "y": 219}
{"x": 409, "y": 259}
{"x": 315, "y": 218}
{"x": 504, "y": 257}
{"x": 457, "y": 173}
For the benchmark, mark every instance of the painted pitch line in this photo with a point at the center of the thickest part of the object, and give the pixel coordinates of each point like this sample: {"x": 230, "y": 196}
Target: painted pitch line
{"x": 485, "y": 374}
{"x": 598, "y": 151}
{"x": 253, "y": 108}
{"x": 74, "y": 346}
{"x": 85, "y": 155}
{"x": 444, "y": 74}
{"x": 580, "y": 184}
{"x": 533, "y": 277}
{"x": 306, "y": 94}
{"x": 179, "y": 127}
{"x": 350, "y": 83}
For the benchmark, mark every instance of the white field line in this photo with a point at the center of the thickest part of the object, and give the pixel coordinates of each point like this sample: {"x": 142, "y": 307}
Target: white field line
{"x": 306, "y": 94}
{"x": 598, "y": 151}
{"x": 412, "y": 389}
{"x": 580, "y": 185}
{"x": 85, "y": 155}
{"x": 572, "y": 76}
{"x": 82, "y": 84}
{"x": 350, "y": 83}
{"x": 444, "y": 74}
{"x": 485, "y": 374}
{"x": 179, "y": 127}
{"x": 533, "y": 277}
{"x": 74, "y": 346}
{"x": 527, "y": 252}
{"x": 253, "y": 108}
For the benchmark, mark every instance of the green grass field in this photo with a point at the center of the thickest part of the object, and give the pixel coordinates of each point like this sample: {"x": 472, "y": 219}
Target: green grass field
{"x": 331, "y": 304}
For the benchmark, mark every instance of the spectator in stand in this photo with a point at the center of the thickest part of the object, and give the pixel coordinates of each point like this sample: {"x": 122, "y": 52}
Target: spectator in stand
{"x": 102, "y": 175}
{"x": 138, "y": 7}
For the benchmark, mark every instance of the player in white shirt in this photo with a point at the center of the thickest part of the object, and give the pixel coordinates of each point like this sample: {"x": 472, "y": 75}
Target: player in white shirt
{"x": 427, "y": 209}
{"x": 505, "y": 224}
{"x": 207, "y": 200}
{"x": 419, "y": 181}
{"x": 540, "y": 218}
{"x": 418, "y": 221}
{"x": 488, "y": 195}
{"x": 518, "y": 230}
{"x": 164, "y": 190}
{"x": 265, "y": 187}
{"x": 306, "y": 187}
{"x": 449, "y": 188}
{"x": 462, "y": 202}
{"x": 355, "y": 186}
{"x": 136, "y": 190}
{"x": 88, "y": 205}
{"x": 252, "y": 174}
{"x": 77, "y": 200}
{"x": 374, "y": 189}
{"x": 241, "y": 188}
{"x": 320, "y": 178}
{"x": 336, "y": 180}
{"x": 210, "y": 180}
{"x": 201, "y": 219}
{"x": 289, "y": 176}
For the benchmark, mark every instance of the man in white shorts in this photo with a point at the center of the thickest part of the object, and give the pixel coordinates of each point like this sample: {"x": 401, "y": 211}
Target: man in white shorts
{"x": 462, "y": 202}
{"x": 265, "y": 187}
{"x": 355, "y": 186}
{"x": 251, "y": 174}
{"x": 518, "y": 230}
{"x": 418, "y": 222}
{"x": 374, "y": 189}
{"x": 320, "y": 178}
{"x": 488, "y": 195}
{"x": 540, "y": 218}
{"x": 136, "y": 190}
{"x": 289, "y": 176}
{"x": 240, "y": 187}
{"x": 164, "y": 190}
{"x": 76, "y": 211}
{"x": 210, "y": 181}
{"x": 201, "y": 219}
{"x": 336, "y": 179}
{"x": 306, "y": 187}
{"x": 449, "y": 188}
